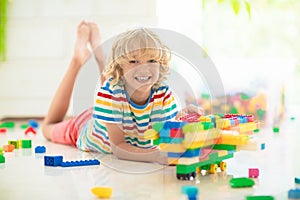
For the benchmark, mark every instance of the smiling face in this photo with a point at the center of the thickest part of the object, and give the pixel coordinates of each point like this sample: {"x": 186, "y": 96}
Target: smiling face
{"x": 141, "y": 70}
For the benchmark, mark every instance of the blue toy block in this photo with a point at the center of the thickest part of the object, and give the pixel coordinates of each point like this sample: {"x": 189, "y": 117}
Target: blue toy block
{"x": 294, "y": 193}
{"x": 53, "y": 160}
{"x": 33, "y": 123}
{"x": 186, "y": 154}
{"x": 190, "y": 191}
{"x": 263, "y": 146}
{"x": 173, "y": 124}
{"x": 164, "y": 133}
{"x": 40, "y": 149}
{"x": 297, "y": 180}
{"x": 80, "y": 163}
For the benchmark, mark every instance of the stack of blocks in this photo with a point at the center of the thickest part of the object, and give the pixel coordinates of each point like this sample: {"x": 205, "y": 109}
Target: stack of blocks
{"x": 204, "y": 145}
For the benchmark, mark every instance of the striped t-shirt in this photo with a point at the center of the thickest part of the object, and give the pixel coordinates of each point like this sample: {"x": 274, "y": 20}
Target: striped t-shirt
{"x": 113, "y": 105}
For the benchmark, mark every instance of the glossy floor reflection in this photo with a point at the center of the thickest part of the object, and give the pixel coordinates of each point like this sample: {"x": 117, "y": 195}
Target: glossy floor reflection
{"x": 24, "y": 176}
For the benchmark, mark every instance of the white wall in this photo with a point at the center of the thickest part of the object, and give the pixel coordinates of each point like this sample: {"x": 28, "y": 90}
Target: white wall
{"x": 40, "y": 36}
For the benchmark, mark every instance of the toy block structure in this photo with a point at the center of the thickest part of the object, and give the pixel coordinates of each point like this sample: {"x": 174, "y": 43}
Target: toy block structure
{"x": 203, "y": 142}
{"x": 55, "y": 161}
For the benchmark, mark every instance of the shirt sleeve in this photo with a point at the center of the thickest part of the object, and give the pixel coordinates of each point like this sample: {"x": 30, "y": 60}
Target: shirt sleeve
{"x": 169, "y": 106}
{"x": 108, "y": 104}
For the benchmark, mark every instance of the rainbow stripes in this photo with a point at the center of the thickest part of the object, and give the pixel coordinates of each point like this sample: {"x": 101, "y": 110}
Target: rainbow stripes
{"x": 113, "y": 105}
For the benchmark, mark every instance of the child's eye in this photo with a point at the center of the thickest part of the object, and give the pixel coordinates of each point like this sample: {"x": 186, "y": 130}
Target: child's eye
{"x": 152, "y": 61}
{"x": 133, "y": 61}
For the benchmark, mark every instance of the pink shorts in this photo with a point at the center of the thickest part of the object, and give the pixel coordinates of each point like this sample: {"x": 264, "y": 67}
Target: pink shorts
{"x": 67, "y": 132}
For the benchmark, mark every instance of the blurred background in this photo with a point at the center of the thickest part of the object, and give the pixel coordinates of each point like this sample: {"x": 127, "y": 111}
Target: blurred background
{"x": 253, "y": 43}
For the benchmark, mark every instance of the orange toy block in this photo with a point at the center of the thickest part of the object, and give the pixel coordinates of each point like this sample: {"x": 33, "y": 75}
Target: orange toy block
{"x": 8, "y": 147}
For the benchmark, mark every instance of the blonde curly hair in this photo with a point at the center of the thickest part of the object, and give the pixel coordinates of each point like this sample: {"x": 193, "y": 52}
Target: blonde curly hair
{"x": 147, "y": 44}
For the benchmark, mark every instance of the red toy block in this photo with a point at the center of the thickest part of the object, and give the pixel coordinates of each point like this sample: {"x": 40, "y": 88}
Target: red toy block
{"x": 253, "y": 172}
{"x": 176, "y": 133}
{"x": 3, "y": 130}
{"x": 30, "y": 130}
{"x": 8, "y": 147}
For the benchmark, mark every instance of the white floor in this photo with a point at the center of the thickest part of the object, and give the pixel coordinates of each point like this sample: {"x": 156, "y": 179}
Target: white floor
{"x": 24, "y": 176}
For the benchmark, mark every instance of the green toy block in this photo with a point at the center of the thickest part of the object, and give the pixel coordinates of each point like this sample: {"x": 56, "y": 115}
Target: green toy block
{"x": 2, "y": 159}
{"x": 224, "y": 147}
{"x": 24, "y": 126}
{"x": 256, "y": 130}
{"x": 276, "y": 129}
{"x": 15, "y": 143}
{"x": 1, "y": 151}
{"x": 26, "y": 144}
{"x": 158, "y": 126}
{"x": 241, "y": 182}
{"x": 260, "y": 198}
{"x": 7, "y": 125}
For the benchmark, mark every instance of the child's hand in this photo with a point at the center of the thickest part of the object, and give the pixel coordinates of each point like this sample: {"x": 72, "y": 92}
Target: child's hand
{"x": 190, "y": 109}
{"x": 162, "y": 159}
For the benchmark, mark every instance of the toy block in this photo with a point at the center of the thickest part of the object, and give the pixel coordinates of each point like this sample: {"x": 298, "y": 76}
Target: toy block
{"x": 164, "y": 133}
{"x": 260, "y": 198}
{"x": 191, "y": 191}
{"x": 172, "y": 161}
{"x": 102, "y": 192}
{"x": 253, "y": 172}
{"x": 233, "y": 139}
{"x": 224, "y": 147}
{"x": 202, "y": 136}
{"x": 187, "y": 154}
{"x": 188, "y": 161}
{"x": 24, "y": 126}
{"x": 241, "y": 182}
{"x": 3, "y": 130}
{"x": 2, "y": 159}
{"x": 176, "y": 133}
{"x": 1, "y": 150}
{"x": 15, "y": 143}
{"x": 151, "y": 134}
{"x": 40, "y": 149}
{"x": 199, "y": 144}
{"x": 297, "y": 180}
{"x": 30, "y": 130}
{"x": 171, "y": 147}
{"x": 26, "y": 144}
{"x": 252, "y": 145}
{"x": 7, "y": 125}
{"x": 173, "y": 124}
{"x": 294, "y": 193}
{"x": 8, "y": 148}
{"x": 33, "y": 123}
{"x": 53, "y": 160}
{"x": 193, "y": 127}
{"x": 158, "y": 126}
{"x": 80, "y": 163}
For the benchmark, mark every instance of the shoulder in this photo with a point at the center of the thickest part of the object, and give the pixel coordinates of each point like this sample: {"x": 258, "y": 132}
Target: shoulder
{"x": 113, "y": 89}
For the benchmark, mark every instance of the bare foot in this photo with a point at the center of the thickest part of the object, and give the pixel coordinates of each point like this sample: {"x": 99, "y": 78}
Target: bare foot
{"x": 81, "y": 52}
{"x": 95, "y": 42}
{"x": 95, "y": 38}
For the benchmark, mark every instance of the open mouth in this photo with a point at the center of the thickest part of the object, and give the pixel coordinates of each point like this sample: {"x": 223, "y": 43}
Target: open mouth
{"x": 142, "y": 79}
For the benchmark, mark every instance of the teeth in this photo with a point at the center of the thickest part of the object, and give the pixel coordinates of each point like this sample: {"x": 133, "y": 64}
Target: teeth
{"x": 142, "y": 78}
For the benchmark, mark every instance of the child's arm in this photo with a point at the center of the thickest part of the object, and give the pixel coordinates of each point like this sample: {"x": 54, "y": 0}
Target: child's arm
{"x": 191, "y": 108}
{"x": 125, "y": 151}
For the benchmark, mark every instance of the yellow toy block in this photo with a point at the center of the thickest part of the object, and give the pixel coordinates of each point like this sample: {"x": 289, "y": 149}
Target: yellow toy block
{"x": 151, "y": 134}
{"x": 188, "y": 161}
{"x": 252, "y": 145}
{"x": 247, "y": 127}
{"x": 233, "y": 139}
{"x": 223, "y": 123}
{"x": 172, "y": 161}
{"x": 199, "y": 144}
{"x": 202, "y": 135}
{"x": 102, "y": 192}
{"x": 176, "y": 148}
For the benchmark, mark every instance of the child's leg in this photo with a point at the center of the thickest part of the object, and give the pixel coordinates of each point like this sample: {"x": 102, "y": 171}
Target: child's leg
{"x": 95, "y": 41}
{"x": 60, "y": 103}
